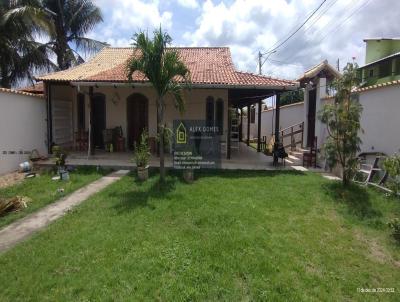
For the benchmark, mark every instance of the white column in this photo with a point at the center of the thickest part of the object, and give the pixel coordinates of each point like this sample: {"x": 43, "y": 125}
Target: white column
{"x": 305, "y": 118}
{"x": 319, "y": 127}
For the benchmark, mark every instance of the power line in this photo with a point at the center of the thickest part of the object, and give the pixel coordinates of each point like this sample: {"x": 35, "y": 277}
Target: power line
{"x": 336, "y": 28}
{"x": 291, "y": 35}
{"x": 319, "y": 31}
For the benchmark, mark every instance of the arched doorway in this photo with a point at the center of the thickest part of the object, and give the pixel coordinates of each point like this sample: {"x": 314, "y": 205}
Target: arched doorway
{"x": 137, "y": 109}
{"x": 99, "y": 119}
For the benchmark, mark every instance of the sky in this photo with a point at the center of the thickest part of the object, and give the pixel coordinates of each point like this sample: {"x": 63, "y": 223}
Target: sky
{"x": 336, "y": 31}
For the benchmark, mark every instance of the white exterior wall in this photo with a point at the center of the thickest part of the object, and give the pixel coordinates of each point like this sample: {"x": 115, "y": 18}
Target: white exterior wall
{"x": 116, "y": 106}
{"x": 22, "y": 129}
{"x": 380, "y": 120}
{"x": 289, "y": 115}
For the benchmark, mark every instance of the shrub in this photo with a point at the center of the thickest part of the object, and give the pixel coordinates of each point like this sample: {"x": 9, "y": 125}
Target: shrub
{"x": 60, "y": 156}
{"x": 392, "y": 166}
{"x": 395, "y": 226}
{"x": 142, "y": 150}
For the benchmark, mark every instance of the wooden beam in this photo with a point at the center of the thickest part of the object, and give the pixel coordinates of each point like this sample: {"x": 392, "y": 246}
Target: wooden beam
{"x": 259, "y": 126}
{"x": 277, "y": 115}
{"x": 248, "y": 125}
{"x": 49, "y": 119}
{"x": 91, "y": 125}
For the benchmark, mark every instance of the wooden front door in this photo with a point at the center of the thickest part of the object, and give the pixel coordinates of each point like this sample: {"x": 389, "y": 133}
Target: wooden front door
{"x": 137, "y": 108}
{"x": 312, "y": 103}
{"x": 99, "y": 119}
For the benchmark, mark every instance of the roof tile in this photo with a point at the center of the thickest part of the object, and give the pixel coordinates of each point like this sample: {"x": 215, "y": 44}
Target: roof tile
{"x": 207, "y": 65}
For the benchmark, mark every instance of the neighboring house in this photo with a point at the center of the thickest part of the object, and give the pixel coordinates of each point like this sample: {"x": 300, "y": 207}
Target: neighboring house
{"x": 97, "y": 95}
{"x": 382, "y": 62}
{"x": 316, "y": 83}
{"x": 379, "y": 95}
{"x": 22, "y": 127}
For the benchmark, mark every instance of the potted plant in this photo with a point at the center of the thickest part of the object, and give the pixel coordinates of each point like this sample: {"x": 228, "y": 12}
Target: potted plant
{"x": 142, "y": 156}
{"x": 60, "y": 157}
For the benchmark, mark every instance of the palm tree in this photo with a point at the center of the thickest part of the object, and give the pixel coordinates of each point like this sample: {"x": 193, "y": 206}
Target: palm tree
{"x": 72, "y": 19}
{"x": 20, "y": 55}
{"x": 163, "y": 68}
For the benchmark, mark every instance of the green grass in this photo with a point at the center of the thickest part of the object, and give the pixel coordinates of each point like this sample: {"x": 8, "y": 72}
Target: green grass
{"x": 42, "y": 190}
{"x": 230, "y": 236}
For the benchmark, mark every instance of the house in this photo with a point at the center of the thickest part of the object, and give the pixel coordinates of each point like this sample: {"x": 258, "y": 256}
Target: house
{"x": 96, "y": 95}
{"x": 382, "y": 61}
{"x": 379, "y": 96}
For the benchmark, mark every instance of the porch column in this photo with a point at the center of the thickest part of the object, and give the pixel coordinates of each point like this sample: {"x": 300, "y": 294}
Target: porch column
{"x": 91, "y": 137}
{"x": 49, "y": 119}
{"x": 259, "y": 127}
{"x": 248, "y": 125}
{"x": 241, "y": 125}
{"x": 277, "y": 113}
{"x": 228, "y": 139}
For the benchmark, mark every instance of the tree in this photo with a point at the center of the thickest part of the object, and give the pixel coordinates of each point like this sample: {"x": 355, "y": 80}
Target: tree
{"x": 163, "y": 68}
{"x": 342, "y": 119}
{"x": 72, "y": 19}
{"x": 291, "y": 97}
{"x": 20, "y": 54}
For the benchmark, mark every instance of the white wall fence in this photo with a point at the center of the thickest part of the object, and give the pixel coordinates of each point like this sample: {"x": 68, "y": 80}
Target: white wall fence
{"x": 22, "y": 128}
{"x": 380, "y": 120}
{"x": 289, "y": 115}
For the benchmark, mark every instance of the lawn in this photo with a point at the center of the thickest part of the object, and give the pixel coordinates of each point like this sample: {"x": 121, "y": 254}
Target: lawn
{"x": 43, "y": 190}
{"x": 230, "y": 236}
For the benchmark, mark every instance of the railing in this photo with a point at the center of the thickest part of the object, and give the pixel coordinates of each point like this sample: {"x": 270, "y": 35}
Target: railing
{"x": 293, "y": 131}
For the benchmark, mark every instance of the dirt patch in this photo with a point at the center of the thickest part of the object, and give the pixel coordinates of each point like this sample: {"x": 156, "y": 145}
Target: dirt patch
{"x": 10, "y": 179}
{"x": 376, "y": 251}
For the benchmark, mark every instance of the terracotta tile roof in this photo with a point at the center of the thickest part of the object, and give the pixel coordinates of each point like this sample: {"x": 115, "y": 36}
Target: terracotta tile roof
{"x": 35, "y": 89}
{"x": 371, "y": 87}
{"x": 207, "y": 65}
{"x": 313, "y": 71}
{"x": 6, "y": 90}
{"x": 376, "y": 86}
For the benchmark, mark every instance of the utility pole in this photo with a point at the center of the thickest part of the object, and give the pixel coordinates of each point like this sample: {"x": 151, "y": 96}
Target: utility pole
{"x": 261, "y": 62}
{"x": 338, "y": 65}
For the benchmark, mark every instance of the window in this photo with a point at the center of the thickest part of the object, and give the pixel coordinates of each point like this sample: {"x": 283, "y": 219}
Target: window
{"x": 252, "y": 114}
{"x": 385, "y": 69}
{"x": 81, "y": 111}
{"x": 397, "y": 66}
{"x": 219, "y": 116}
{"x": 371, "y": 73}
{"x": 210, "y": 111}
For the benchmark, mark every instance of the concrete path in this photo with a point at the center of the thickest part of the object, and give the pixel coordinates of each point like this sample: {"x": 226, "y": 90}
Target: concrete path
{"x": 23, "y": 228}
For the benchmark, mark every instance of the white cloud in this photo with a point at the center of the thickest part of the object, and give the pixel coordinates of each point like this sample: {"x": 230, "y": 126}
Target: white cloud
{"x": 188, "y": 3}
{"x": 335, "y": 32}
{"x": 125, "y": 17}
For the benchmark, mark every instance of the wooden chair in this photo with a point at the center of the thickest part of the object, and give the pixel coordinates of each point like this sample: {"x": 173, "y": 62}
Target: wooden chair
{"x": 310, "y": 157}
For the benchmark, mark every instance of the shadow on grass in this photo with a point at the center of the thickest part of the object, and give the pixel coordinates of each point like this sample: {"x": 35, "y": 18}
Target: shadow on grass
{"x": 234, "y": 174}
{"x": 355, "y": 198}
{"x": 142, "y": 192}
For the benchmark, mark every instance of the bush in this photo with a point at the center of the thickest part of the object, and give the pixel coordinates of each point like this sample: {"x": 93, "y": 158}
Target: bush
{"x": 392, "y": 166}
{"x": 60, "y": 156}
{"x": 142, "y": 150}
{"x": 395, "y": 226}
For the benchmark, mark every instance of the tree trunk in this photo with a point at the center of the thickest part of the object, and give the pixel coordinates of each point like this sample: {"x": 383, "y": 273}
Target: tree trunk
{"x": 61, "y": 45}
{"x": 160, "y": 115}
{"x": 5, "y": 80}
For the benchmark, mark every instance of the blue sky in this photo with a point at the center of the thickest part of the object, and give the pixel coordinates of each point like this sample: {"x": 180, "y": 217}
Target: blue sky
{"x": 247, "y": 26}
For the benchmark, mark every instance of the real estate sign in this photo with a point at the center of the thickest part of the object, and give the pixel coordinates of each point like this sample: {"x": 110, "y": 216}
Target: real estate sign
{"x": 196, "y": 145}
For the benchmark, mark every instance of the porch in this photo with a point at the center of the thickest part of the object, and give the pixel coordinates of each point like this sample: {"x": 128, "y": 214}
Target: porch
{"x": 243, "y": 158}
